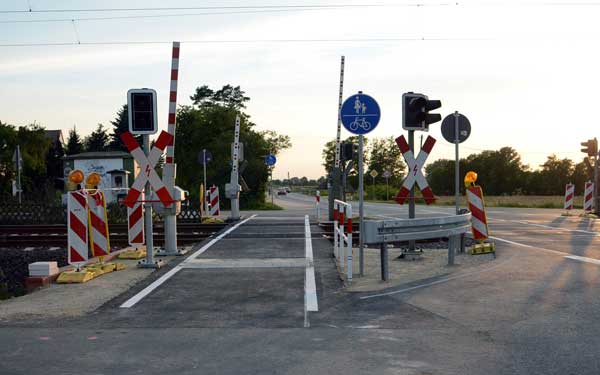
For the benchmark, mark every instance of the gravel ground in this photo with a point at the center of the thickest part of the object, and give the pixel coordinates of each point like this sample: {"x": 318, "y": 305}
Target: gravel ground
{"x": 14, "y": 264}
{"x": 71, "y": 300}
{"x": 434, "y": 262}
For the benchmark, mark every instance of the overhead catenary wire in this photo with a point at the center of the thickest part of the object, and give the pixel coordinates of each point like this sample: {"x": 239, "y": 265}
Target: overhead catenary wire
{"x": 247, "y": 41}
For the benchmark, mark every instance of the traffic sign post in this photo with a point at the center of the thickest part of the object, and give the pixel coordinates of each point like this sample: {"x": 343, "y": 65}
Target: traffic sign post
{"x": 387, "y": 174}
{"x": 270, "y": 161}
{"x": 456, "y": 128}
{"x": 373, "y": 175}
{"x": 360, "y": 114}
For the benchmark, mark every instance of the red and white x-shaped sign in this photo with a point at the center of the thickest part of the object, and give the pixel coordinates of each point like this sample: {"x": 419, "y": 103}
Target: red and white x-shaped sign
{"x": 414, "y": 170}
{"x": 147, "y": 164}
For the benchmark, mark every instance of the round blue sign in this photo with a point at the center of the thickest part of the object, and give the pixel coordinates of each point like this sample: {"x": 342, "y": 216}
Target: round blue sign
{"x": 360, "y": 114}
{"x": 270, "y": 160}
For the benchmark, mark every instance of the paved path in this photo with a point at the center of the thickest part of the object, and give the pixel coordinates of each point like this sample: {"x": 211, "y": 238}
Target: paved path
{"x": 238, "y": 307}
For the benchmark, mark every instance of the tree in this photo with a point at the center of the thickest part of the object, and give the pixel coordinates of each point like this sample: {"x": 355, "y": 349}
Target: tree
{"x": 210, "y": 126}
{"x": 553, "y": 176}
{"x": 582, "y": 172}
{"x": 74, "y": 143}
{"x": 385, "y": 155}
{"x": 328, "y": 153}
{"x": 500, "y": 172}
{"x": 97, "y": 141}
{"x": 276, "y": 142}
{"x": 228, "y": 97}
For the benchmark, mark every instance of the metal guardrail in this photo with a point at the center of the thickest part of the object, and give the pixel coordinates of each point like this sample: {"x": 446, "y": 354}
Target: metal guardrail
{"x": 382, "y": 232}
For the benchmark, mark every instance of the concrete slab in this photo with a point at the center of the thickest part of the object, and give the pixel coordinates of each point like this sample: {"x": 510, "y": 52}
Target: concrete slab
{"x": 246, "y": 263}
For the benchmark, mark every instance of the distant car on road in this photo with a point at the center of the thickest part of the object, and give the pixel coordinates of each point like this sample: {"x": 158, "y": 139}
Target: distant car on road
{"x": 281, "y": 192}
{"x": 287, "y": 189}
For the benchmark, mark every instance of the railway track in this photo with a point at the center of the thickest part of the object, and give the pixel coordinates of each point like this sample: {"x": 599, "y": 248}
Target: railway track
{"x": 56, "y": 235}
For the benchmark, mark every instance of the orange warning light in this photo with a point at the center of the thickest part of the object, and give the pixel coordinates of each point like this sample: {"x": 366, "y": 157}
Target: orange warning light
{"x": 93, "y": 179}
{"x": 470, "y": 178}
{"x": 76, "y": 176}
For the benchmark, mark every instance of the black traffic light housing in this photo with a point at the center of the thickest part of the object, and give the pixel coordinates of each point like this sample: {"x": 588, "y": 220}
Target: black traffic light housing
{"x": 590, "y": 147}
{"x": 415, "y": 111}
{"x": 141, "y": 108}
{"x": 347, "y": 150}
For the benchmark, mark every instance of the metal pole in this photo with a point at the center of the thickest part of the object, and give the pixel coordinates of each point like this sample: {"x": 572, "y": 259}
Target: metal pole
{"x": 235, "y": 202}
{"x": 387, "y": 189}
{"x": 596, "y": 200}
{"x": 205, "y": 203}
{"x": 411, "y": 196}
{"x": 272, "y": 192}
{"x": 456, "y": 162}
{"x": 361, "y": 208}
{"x": 149, "y": 261}
{"x": 19, "y": 190}
{"x": 384, "y": 261}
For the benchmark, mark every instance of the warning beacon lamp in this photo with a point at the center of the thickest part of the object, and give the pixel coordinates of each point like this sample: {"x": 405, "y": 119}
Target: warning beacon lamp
{"x": 470, "y": 178}
{"x": 74, "y": 179}
{"x": 92, "y": 181}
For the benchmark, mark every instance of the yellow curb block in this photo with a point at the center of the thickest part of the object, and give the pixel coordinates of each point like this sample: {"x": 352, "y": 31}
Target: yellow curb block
{"x": 88, "y": 273}
{"x": 133, "y": 254}
{"x": 482, "y": 248}
{"x": 70, "y": 277}
{"x": 589, "y": 216}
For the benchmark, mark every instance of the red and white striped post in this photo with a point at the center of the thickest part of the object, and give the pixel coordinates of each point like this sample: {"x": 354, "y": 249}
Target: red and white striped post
{"x": 479, "y": 223}
{"x": 169, "y": 168}
{"x": 99, "y": 235}
{"x": 77, "y": 224}
{"x": 135, "y": 225}
{"x": 213, "y": 196}
{"x": 569, "y": 195}
{"x": 588, "y": 197}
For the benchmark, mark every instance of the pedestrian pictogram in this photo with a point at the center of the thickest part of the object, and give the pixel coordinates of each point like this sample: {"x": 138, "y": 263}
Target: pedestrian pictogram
{"x": 147, "y": 164}
{"x": 415, "y": 173}
{"x": 360, "y": 114}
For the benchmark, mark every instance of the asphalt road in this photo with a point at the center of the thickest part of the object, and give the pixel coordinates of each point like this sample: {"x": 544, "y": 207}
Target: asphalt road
{"x": 531, "y": 311}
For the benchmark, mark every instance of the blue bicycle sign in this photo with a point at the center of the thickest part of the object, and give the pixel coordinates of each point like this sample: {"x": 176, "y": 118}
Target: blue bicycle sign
{"x": 360, "y": 114}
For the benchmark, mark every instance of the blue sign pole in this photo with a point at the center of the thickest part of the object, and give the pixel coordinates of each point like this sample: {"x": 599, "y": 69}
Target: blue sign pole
{"x": 360, "y": 114}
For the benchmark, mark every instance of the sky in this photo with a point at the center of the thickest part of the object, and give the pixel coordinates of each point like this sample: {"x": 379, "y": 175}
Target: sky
{"x": 524, "y": 73}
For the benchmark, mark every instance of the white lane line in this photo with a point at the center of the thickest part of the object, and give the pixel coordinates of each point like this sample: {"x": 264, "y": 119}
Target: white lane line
{"x": 310, "y": 285}
{"x": 560, "y": 228}
{"x": 158, "y": 282}
{"x": 583, "y": 259}
{"x": 529, "y": 246}
{"x": 444, "y": 280}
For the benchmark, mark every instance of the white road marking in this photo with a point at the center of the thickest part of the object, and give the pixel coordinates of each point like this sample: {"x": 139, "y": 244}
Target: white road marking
{"x": 528, "y": 246}
{"x": 559, "y": 228}
{"x": 310, "y": 285}
{"x": 583, "y": 259}
{"x": 147, "y": 290}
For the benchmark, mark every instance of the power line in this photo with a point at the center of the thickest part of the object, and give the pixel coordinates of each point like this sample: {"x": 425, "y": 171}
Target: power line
{"x": 159, "y": 9}
{"x": 48, "y": 20}
{"x": 248, "y": 41}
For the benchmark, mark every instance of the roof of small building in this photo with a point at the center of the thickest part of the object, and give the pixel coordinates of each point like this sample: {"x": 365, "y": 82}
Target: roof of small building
{"x": 99, "y": 155}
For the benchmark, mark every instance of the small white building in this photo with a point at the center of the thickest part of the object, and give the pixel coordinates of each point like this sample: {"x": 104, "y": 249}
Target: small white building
{"x": 117, "y": 170}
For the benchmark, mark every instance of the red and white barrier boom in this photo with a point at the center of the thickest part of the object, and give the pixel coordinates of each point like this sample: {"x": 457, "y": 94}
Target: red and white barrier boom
{"x": 77, "y": 219}
{"x": 99, "y": 237}
{"x": 213, "y": 200}
{"x": 414, "y": 170}
{"x": 588, "y": 197}
{"x": 569, "y": 195}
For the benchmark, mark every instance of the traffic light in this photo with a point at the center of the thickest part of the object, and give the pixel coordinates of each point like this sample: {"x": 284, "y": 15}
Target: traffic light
{"x": 590, "y": 147}
{"x": 141, "y": 105}
{"x": 347, "y": 149}
{"x": 415, "y": 111}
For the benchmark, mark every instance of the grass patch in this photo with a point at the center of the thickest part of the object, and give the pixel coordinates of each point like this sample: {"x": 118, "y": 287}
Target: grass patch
{"x": 266, "y": 206}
